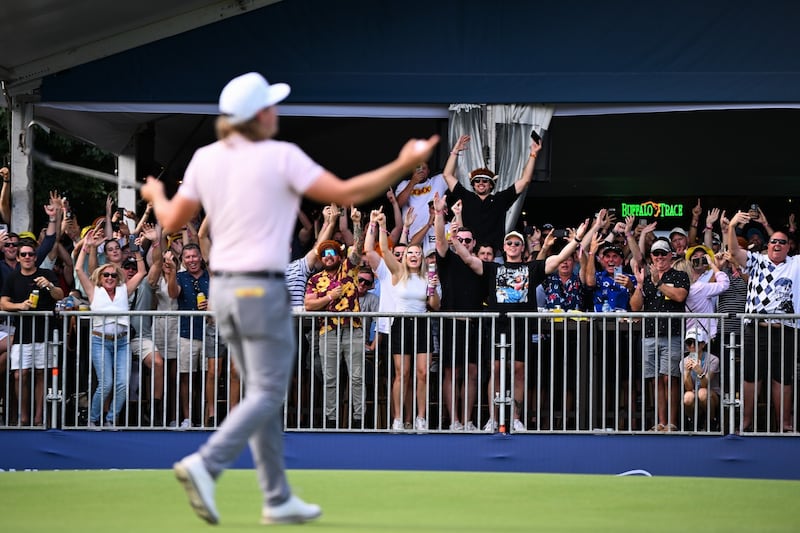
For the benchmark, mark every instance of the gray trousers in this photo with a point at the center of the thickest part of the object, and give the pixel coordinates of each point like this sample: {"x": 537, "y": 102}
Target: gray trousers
{"x": 348, "y": 345}
{"x": 254, "y": 317}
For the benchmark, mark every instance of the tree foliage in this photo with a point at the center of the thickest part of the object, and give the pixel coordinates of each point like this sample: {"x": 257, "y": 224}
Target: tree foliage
{"x": 87, "y": 196}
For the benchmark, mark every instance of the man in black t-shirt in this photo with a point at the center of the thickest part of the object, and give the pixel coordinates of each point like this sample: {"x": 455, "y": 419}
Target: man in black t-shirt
{"x": 30, "y": 333}
{"x": 483, "y": 210}
{"x": 462, "y": 290}
{"x": 511, "y": 287}
{"x": 663, "y": 289}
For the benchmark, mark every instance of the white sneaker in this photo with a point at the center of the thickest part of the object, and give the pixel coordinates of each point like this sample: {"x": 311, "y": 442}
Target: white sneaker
{"x": 185, "y": 424}
{"x": 491, "y": 426}
{"x": 397, "y": 425}
{"x": 293, "y": 511}
{"x": 456, "y": 426}
{"x": 199, "y": 486}
{"x": 469, "y": 426}
{"x": 420, "y": 424}
{"x": 519, "y": 426}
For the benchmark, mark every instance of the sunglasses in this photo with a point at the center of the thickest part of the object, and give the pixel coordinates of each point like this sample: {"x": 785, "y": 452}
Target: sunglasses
{"x": 365, "y": 281}
{"x": 110, "y": 275}
{"x": 465, "y": 240}
{"x": 778, "y": 241}
{"x": 329, "y": 252}
{"x": 397, "y": 254}
{"x": 27, "y": 254}
{"x": 481, "y": 180}
{"x": 659, "y": 253}
{"x": 11, "y": 244}
{"x": 513, "y": 243}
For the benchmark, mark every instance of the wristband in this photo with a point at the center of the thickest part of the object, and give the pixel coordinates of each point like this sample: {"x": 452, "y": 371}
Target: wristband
{"x": 454, "y": 153}
{"x": 533, "y": 156}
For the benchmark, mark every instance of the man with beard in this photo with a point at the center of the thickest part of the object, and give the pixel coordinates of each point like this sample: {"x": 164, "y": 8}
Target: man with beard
{"x": 335, "y": 290}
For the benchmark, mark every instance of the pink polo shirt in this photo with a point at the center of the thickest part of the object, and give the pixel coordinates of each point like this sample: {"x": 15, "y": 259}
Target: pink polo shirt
{"x": 251, "y": 193}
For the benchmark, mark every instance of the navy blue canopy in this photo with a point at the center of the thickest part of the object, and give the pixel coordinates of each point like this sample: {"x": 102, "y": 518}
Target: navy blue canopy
{"x": 444, "y": 51}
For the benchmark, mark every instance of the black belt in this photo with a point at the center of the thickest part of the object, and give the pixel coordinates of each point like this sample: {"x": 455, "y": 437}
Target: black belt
{"x": 268, "y": 274}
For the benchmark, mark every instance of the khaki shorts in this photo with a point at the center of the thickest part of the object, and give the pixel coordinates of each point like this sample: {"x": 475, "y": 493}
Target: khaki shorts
{"x": 141, "y": 347}
{"x": 165, "y": 333}
{"x": 189, "y": 354}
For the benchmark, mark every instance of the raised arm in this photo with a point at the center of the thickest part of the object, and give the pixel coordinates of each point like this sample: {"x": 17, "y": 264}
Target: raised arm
{"x": 738, "y": 254}
{"x": 330, "y": 214}
{"x": 5, "y": 195}
{"x": 461, "y": 251}
{"x": 83, "y": 278}
{"x": 575, "y": 237}
{"x": 438, "y": 224}
{"x": 397, "y": 216}
{"x": 452, "y": 161}
{"x": 697, "y": 210}
{"x": 527, "y": 170}
{"x": 358, "y": 236}
{"x": 708, "y": 231}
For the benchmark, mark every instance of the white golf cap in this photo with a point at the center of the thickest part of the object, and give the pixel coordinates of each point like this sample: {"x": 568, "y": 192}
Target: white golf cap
{"x": 246, "y": 95}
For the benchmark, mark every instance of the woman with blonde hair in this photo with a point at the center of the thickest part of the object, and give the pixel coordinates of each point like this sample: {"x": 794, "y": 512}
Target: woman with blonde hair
{"x": 412, "y": 293}
{"x": 107, "y": 291}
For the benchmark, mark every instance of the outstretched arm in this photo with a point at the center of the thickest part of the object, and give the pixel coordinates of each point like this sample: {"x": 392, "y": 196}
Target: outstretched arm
{"x": 175, "y": 212}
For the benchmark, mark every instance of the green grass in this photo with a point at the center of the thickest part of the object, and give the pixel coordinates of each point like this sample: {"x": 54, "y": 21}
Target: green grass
{"x": 418, "y": 502}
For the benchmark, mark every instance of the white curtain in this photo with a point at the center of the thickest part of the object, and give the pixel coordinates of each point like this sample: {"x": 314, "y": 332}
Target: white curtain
{"x": 500, "y": 140}
{"x": 512, "y": 126}
{"x": 468, "y": 119}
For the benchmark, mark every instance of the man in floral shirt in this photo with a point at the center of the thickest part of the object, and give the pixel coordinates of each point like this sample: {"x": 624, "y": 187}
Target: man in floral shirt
{"x": 335, "y": 289}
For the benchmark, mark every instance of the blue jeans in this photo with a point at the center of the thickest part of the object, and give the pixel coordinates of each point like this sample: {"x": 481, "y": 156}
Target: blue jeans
{"x": 112, "y": 364}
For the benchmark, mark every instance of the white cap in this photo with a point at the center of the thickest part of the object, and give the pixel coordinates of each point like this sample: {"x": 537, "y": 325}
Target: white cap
{"x": 697, "y": 335}
{"x": 246, "y": 95}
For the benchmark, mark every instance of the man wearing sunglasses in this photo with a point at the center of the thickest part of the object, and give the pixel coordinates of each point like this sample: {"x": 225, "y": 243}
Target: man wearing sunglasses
{"x": 663, "y": 289}
{"x": 484, "y": 211}
{"x": 774, "y": 289}
{"x": 335, "y": 290}
{"x": 368, "y": 302}
{"x": 462, "y": 291}
{"x": 31, "y": 335}
{"x": 511, "y": 287}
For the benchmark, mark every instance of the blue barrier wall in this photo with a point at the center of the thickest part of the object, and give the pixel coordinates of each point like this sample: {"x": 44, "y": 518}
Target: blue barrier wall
{"x": 673, "y": 455}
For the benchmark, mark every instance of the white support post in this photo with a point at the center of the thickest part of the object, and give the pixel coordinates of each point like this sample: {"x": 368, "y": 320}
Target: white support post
{"x": 21, "y": 165}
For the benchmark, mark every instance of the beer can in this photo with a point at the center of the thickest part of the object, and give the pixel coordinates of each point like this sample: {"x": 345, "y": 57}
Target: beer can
{"x": 201, "y": 297}
{"x": 34, "y": 298}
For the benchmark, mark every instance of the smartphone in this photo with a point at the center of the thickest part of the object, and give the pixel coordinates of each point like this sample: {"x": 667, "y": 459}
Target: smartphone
{"x": 642, "y": 221}
{"x": 528, "y": 230}
{"x": 754, "y": 211}
{"x": 131, "y": 242}
{"x": 121, "y": 211}
{"x": 617, "y": 271}
{"x": 4, "y": 227}
{"x": 536, "y": 137}
{"x": 559, "y": 233}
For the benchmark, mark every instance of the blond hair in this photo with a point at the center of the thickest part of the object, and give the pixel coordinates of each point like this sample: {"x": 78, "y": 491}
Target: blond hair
{"x": 98, "y": 272}
{"x": 405, "y": 272}
{"x": 252, "y": 129}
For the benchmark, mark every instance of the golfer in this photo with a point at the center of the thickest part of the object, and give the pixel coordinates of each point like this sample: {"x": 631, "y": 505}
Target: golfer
{"x": 250, "y": 187}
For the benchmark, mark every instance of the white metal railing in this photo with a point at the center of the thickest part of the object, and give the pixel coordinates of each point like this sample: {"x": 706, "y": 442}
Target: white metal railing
{"x": 574, "y": 372}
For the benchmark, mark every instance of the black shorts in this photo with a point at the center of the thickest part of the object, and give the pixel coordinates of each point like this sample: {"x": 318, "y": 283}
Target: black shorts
{"x": 518, "y": 341}
{"x": 411, "y": 335}
{"x": 770, "y": 351}
{"x": 458, "y": 342}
